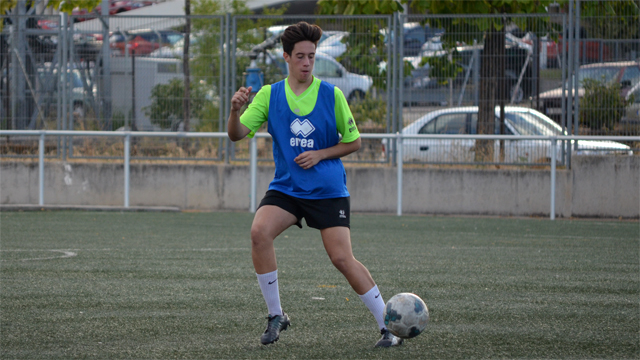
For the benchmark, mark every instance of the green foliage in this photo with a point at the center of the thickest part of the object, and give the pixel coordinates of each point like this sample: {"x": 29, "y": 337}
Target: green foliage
{"x": 359, "y": 7}
{"x": 209, "y": 119}
{"x": 370, "y": 111}
{"x": 167, "y": 103}
{"x": 366, "y": 49}
{"x": 443, "y": 67}
{"x": 602, "y": 106}
{"x": 480, "y": 24}
{"x": 207, "y": 49}
{"x": 205, "y": 64}
{"x": 60, "y": 5}
{"x": 366, "y": 42}
{"x": 625, "y": 26}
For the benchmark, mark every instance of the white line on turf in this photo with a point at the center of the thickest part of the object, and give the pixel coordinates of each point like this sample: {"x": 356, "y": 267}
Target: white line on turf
{"x": 65, "y": 254}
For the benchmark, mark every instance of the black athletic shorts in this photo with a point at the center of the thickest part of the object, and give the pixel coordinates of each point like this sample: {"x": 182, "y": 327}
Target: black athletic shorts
{"x": 319, "y": 214}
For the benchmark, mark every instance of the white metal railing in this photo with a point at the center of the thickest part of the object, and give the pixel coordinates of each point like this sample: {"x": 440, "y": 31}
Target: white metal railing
{"x": 127, "y": 135}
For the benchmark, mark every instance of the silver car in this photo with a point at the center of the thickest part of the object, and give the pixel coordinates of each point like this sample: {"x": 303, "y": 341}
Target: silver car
{"x": 518, "y": 121}
{"x": 354, "y": 86}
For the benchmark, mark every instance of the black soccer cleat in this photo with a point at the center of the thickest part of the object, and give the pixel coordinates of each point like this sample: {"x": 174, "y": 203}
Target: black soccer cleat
{"x": 275, "y": 324}
{"x": 388, "y": 339}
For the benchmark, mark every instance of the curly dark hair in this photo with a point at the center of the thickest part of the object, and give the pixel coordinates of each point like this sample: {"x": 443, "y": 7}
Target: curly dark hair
{"x": 301, "y": 31}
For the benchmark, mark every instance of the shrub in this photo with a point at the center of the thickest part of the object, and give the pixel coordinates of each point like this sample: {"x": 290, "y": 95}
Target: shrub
{"x": 602, "y": 106}
{"x": 166, "y": 103}
{"x": 370, "y": 113}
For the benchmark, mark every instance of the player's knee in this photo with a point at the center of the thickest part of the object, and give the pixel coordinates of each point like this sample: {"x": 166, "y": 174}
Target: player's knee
{"x": 342, "y": 262}
{"x": 259, "y": 235}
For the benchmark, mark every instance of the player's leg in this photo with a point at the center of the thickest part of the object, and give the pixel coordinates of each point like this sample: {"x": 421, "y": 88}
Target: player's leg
{"x": 337, "y": 242}
{"x": 269, "y": 222}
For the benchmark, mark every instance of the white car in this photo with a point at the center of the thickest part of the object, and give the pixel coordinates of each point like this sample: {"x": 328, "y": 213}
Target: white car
{"x": 518, "y": 121}
{"x": 333, "y": 45}
{"x": 326, "y": 68}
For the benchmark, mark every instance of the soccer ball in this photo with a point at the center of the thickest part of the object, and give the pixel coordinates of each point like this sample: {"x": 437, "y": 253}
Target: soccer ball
{"x": 406, "y": 315}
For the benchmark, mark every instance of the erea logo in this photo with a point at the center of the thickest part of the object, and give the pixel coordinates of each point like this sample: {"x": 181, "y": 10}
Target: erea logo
{"x": 304, "y": 128}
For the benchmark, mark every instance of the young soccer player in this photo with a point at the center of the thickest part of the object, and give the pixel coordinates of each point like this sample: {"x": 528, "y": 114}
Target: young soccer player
{"x": 305, "y": 117}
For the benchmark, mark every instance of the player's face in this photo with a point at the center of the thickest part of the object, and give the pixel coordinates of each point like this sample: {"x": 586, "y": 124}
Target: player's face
{"x": 301, "y": 61}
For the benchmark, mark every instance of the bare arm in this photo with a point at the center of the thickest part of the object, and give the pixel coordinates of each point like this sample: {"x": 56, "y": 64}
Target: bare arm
{"x": 308, "y": 159}
{"x": 235, "y": 129}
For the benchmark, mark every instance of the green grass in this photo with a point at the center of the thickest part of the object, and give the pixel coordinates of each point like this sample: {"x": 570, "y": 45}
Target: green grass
{"x": 181, "y": 285}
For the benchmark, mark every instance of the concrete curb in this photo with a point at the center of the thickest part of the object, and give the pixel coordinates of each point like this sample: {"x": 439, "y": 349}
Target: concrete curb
{"x": 29, "y": 207}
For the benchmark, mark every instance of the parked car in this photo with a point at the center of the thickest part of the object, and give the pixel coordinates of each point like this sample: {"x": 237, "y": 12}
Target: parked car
{"x": 333, "y": 45}
{"x": 143, "y": 41}
{"x": 115, "y": 7}
{"x": 414, "y": 36}
{"x": 353, "y": 86}
{"x": 431, "y": 47}
{"x": 627, "y": 73}
{"x": 175, "y": 51}
{"x": 425, "y": 87}
{"x": 82, "y": 96}
{"x": 518, "y": 121}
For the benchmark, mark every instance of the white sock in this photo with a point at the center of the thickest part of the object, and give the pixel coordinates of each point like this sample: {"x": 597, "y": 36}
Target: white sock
{"x": 374, "y": 302}
{"x": 270, "y": 291}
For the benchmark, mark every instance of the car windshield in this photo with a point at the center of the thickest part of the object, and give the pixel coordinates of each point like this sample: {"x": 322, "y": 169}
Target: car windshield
{"x": 529, "y": 124}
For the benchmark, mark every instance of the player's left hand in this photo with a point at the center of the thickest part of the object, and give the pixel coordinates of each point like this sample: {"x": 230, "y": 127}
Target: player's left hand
{"x": 308, "y": 159}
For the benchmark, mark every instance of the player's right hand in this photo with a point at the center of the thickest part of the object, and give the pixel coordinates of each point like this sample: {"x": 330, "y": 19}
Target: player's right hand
{"x": 240, "y": 98}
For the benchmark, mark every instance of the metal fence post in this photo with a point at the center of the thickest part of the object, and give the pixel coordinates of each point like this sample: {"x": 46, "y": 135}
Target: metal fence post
{"x": 127, "y": 156}
{"x": 554, "y": 142}
{"x": 576, "y": 69}
{"x": 399, "y": 164}
{"x": 62, "y": 85}
{"x": 41, "y": 169}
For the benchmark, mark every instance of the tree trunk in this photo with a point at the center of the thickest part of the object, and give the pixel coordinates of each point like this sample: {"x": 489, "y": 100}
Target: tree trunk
{"x": 491, "y": 91}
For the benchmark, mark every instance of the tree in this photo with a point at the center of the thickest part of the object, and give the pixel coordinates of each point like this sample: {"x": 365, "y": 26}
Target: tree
{"x": 492, "y": 90}
{"x": 20, "y": 15}
{"x": 202, "y": 60}
{"x": 626, "y": 14}
{"x": 167, "y": 103}
{"x": 367, "y": 42}
{"x": 494, "y": 41}
{"x": 67, "y": 6}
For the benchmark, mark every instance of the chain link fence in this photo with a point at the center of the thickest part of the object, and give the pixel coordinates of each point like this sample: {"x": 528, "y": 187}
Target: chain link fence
{"x": 572, "y": 71}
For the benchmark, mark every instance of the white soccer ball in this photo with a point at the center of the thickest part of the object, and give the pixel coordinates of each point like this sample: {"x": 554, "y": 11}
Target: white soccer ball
{"x": 406, "y": 315}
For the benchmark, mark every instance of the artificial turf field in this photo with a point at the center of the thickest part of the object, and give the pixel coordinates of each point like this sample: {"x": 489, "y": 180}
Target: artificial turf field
{"x": 143, "y": 285}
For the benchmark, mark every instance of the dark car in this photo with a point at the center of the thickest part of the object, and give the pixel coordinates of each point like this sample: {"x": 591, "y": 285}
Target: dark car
{"x": 426, "y": 87}
{"x": 414, "y": 36}
{"x": 627, "y": 73}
